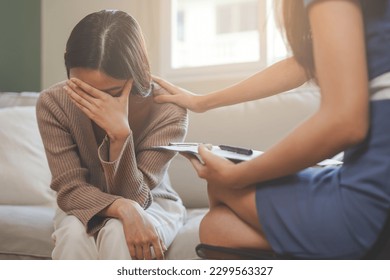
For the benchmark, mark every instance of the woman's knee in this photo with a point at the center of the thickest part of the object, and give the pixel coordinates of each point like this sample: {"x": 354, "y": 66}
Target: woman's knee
{"x": 71, "y": 230}
{"x": 72, "y": 241}
{"x": 221, "y": 221}
{"x": 209, "y": 228}
{"x": 113, "y": 229}
{"x": 111, "y": 241}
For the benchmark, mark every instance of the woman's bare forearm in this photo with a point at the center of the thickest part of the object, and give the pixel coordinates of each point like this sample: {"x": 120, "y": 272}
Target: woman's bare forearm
{"x": 282, "y": 76}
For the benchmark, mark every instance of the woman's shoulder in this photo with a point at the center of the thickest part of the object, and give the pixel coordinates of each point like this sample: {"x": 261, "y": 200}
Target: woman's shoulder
{"x": 55, "y": 100}
{"x": 161, "y": 111}
{"x": 54, "y": 93}
{"x": 169, "y": 111}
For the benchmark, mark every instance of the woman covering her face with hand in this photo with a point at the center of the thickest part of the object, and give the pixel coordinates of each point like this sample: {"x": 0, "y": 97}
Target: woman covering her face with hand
{"x": 277, "y": 201}
{"x": 113, "y": 192}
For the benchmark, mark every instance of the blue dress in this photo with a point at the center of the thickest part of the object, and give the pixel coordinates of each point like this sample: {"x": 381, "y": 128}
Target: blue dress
{"x": 339, "y": 212}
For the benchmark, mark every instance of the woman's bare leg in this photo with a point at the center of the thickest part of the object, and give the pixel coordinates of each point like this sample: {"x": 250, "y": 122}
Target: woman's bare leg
{"x": 232, "y": 220}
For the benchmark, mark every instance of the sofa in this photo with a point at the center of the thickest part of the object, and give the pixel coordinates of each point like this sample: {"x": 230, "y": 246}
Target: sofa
{"x": 27, "y": 204}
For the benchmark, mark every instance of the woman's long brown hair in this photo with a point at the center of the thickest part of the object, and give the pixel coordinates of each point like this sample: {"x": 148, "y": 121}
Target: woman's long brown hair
{"x": 298, "y": 34}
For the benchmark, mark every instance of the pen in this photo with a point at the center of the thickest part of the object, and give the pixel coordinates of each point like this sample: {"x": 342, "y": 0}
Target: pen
{"x": 238, "y": 150}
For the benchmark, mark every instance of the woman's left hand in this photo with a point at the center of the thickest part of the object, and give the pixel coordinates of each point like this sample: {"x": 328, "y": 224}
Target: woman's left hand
{"x": 108, "y": 112}
{"x": 217, "y": 171}
{"x": 142, "y": 238}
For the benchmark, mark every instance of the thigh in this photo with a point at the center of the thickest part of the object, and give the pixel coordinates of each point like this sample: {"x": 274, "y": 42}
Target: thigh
{"x": 111, "y": 241}
{"x": 241, "y": 201}
{"x": 71, "y": 239}
{"x": 304, "y": 215}
{"x": 69, "y": 226}
{"x": 168, "y": 217}
{"x": 221, "y": 221}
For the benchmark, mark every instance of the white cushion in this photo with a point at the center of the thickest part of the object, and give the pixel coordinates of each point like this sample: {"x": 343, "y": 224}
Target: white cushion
{"x": 24, "y": 173}
{"x": 10, "y": 99}
{"x": 26, "y": 232}
{"x": 183, "y": 246}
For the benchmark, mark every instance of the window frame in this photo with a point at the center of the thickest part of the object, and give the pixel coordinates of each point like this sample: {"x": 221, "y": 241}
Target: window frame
{"x": 225, "y": 71}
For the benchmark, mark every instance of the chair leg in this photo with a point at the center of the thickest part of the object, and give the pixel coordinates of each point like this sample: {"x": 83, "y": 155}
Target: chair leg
{"x": 211, "y": 252}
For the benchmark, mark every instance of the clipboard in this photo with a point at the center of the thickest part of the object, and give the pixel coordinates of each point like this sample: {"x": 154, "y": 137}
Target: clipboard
{"x": 235, "y": 154}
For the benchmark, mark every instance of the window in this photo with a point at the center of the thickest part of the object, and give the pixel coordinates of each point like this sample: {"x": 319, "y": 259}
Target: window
{"x": 219, "y": 36}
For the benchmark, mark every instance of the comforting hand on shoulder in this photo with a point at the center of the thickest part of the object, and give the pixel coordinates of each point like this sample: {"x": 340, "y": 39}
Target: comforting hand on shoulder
{"x": 171, "y": 93}
{"x": 108, "y": 112}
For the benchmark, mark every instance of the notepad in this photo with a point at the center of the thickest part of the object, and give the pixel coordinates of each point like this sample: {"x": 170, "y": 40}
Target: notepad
{"x": 192, "y": 148}
{"x": 235, "y": 154}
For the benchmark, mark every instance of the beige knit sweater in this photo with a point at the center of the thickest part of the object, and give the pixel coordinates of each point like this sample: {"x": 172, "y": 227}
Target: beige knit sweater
{"x": 77, "y": 152}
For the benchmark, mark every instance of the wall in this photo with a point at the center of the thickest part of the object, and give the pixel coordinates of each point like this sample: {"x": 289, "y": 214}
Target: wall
{"x": 20, "y": 53}
{"x": 59, "y": 17}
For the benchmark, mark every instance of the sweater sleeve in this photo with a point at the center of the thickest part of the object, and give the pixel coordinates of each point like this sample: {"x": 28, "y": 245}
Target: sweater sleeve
{"x": 70, "y": 179}
{"x": 139, "y": 169}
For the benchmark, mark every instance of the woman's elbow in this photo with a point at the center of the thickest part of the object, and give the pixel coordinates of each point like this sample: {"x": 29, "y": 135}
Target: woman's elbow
{"x": 355, "y": 132}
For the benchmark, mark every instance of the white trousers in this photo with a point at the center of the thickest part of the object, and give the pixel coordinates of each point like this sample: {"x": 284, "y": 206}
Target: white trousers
{"x": 73, "y": 243}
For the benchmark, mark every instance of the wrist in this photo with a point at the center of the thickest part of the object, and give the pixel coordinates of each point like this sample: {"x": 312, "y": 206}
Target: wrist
{"x": 201, "y": 103}
{"x": 119, "y": 135}
{"x": 123, "y": 207}
{"x": 237, "y": 177}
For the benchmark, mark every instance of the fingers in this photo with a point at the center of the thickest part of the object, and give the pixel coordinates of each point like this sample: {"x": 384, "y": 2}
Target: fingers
{"x": 140, "y": 251}
{"x": 147, "y": 252}
{"x": 81, "y": 100}
{"x": 211, "y": 162}
{"x": 197, "y": 162}
{"x": 151, "y": 250}
{"x": 164, "y": 98}
{"x": 132, "y": 251}
{"x": 204, "y": 151}
{"x": 77, "y": 93}
{"x": 142, "y": 238}
{"x": 147, "y": 248}
{"x": 161, "y": 82}
{"x": 82, "y": 95}
{"x": 87, "y": 88}
{"x": 171, "y": 88}
{"x": 164, "y": 248}
{"x": 160, "y": 90}
{"x": 126, "y": 90}
{"x": 158, "y": 249}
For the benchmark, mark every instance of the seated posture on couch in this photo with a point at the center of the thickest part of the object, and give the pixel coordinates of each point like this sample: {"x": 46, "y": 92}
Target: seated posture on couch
{"x": 113, "y": 192}
{"x": 278, "y": 201}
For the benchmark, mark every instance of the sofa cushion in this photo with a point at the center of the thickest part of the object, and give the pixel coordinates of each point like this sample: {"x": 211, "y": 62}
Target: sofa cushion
{"x": 24, "y": 172}
{"x": 183, "y": 246}
{"x": 9, "y": 99}
{"x": 26, "y": 232}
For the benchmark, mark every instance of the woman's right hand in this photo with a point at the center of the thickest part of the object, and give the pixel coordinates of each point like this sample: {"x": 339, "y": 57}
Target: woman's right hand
{"x": 181, "y": 97}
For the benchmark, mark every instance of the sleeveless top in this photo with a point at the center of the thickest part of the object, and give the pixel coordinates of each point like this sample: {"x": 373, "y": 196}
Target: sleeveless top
{"x": 376, "y": 15}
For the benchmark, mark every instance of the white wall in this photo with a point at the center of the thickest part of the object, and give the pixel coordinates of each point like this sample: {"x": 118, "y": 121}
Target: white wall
{"x": 59, "y": 17}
